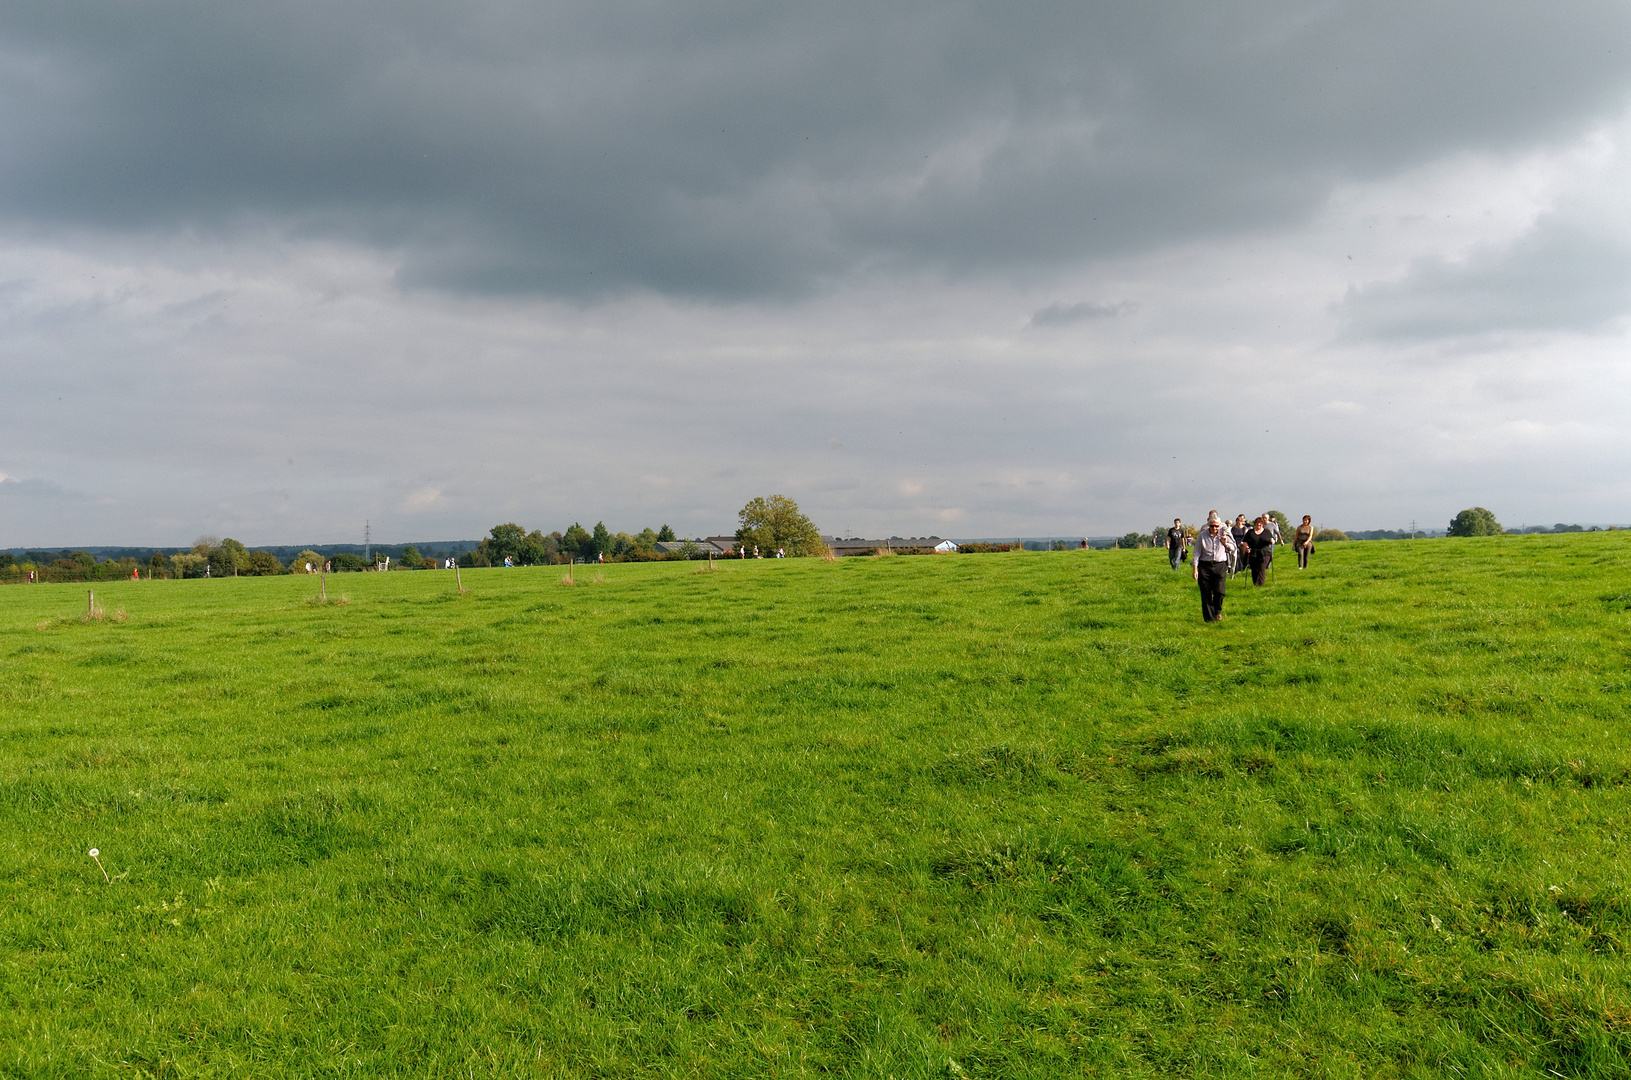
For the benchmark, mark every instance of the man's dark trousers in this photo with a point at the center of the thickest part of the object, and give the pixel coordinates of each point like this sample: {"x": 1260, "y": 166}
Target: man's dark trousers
{"x": 1214, "y": 580}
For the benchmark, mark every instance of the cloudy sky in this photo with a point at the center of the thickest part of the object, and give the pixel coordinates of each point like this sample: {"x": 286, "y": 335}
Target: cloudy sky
{"x": 270, "y": 270}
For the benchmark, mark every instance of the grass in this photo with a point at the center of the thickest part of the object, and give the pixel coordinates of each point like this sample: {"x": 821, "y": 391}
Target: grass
{"x": 1005, "y": 816}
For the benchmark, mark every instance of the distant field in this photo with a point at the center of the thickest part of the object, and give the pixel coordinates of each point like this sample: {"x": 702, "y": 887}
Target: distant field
{"x": 1013, "y": 815}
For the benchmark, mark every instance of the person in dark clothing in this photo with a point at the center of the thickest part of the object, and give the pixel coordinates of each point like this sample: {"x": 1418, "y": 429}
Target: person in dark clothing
{"x": 1175, "y": 542}
{"x": 1237, "y": 532}
{"x": 1260, "y": 550}
{"x": 1214, "y": 548}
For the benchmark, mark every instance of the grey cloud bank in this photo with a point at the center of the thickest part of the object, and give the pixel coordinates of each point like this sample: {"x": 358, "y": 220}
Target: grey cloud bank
{"x": 270, "y": 269}
{"x": 734, "y": 149}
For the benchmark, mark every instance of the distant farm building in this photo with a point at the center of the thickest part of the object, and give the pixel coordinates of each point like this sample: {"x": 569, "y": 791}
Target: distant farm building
{"x": 855, "y": 545}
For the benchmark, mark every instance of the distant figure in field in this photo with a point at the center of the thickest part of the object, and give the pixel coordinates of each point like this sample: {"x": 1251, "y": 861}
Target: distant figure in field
{"x": 1303, "y": 541}
{"x": 135, "y": 575}
{"x": 1260, "y": 545}
{"x": 1214, "y": 554}
{"x": 1175, "y": 542}
{"x": 1084, "y": 543}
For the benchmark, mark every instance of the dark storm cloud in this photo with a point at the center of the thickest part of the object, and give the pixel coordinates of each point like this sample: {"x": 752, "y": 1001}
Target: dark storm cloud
{"x": 727, "y": 150}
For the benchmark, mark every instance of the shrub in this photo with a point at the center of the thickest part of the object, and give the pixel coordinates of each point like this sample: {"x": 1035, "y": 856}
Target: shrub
{"x": 1326, "y": 536}
{"x": 262, "y": 564}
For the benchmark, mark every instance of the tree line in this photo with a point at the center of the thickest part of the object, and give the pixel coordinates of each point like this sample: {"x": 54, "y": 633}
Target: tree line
{"x": 768, "y": 524}
{"x": 575, "y": 544}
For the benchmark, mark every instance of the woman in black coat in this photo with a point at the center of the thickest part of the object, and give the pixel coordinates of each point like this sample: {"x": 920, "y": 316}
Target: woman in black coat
{"x": 1260, "y": 547}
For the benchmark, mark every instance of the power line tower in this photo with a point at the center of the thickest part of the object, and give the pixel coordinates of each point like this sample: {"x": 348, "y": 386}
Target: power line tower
{"x": 1412, "y": 528}
{"x": 367, "y": 543}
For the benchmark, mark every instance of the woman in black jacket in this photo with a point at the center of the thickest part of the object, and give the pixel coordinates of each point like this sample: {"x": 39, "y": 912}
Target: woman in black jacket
{"x": 1260, "y": 544}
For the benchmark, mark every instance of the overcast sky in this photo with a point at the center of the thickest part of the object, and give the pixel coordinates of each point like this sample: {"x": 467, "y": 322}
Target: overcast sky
{"x": 271, "y": 270}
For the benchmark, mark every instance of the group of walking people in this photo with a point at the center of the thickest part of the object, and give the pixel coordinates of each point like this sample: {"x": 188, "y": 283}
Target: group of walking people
{"x": 1221, "y": 550}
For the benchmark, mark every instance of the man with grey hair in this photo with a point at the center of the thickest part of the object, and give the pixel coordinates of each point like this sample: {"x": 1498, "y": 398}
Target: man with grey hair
{"x": 1214, "y": 547}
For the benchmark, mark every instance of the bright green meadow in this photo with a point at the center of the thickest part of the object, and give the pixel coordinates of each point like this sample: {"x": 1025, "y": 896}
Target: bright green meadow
{"x": 1017, "y": 815}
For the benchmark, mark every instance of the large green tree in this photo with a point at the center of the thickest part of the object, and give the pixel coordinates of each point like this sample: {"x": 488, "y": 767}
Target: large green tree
{"x": 1475, "y": 522}
{"x": 775, "y": 523}
{"x": 507, "y": 541}
{"x": 229, "y": 560}
{"x": 577, "y": 542}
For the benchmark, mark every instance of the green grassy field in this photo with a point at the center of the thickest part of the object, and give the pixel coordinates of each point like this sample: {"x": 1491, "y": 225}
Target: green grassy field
{"x": 1004, "y": 816}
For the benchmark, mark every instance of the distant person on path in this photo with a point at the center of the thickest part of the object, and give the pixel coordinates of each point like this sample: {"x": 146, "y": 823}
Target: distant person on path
{"x": 1303, "y": 541}
{"x": 1214, "y": 554}
{"x": 1175, "y": 542}
{"x": 1260, "y": 545}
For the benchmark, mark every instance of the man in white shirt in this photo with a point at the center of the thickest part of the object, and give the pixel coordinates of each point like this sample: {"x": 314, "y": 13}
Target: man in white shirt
{"x": 1214, "y": 547}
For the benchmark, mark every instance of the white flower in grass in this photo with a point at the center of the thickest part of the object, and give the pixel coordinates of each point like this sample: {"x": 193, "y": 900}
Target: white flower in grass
{"x": 93, "y": 853}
